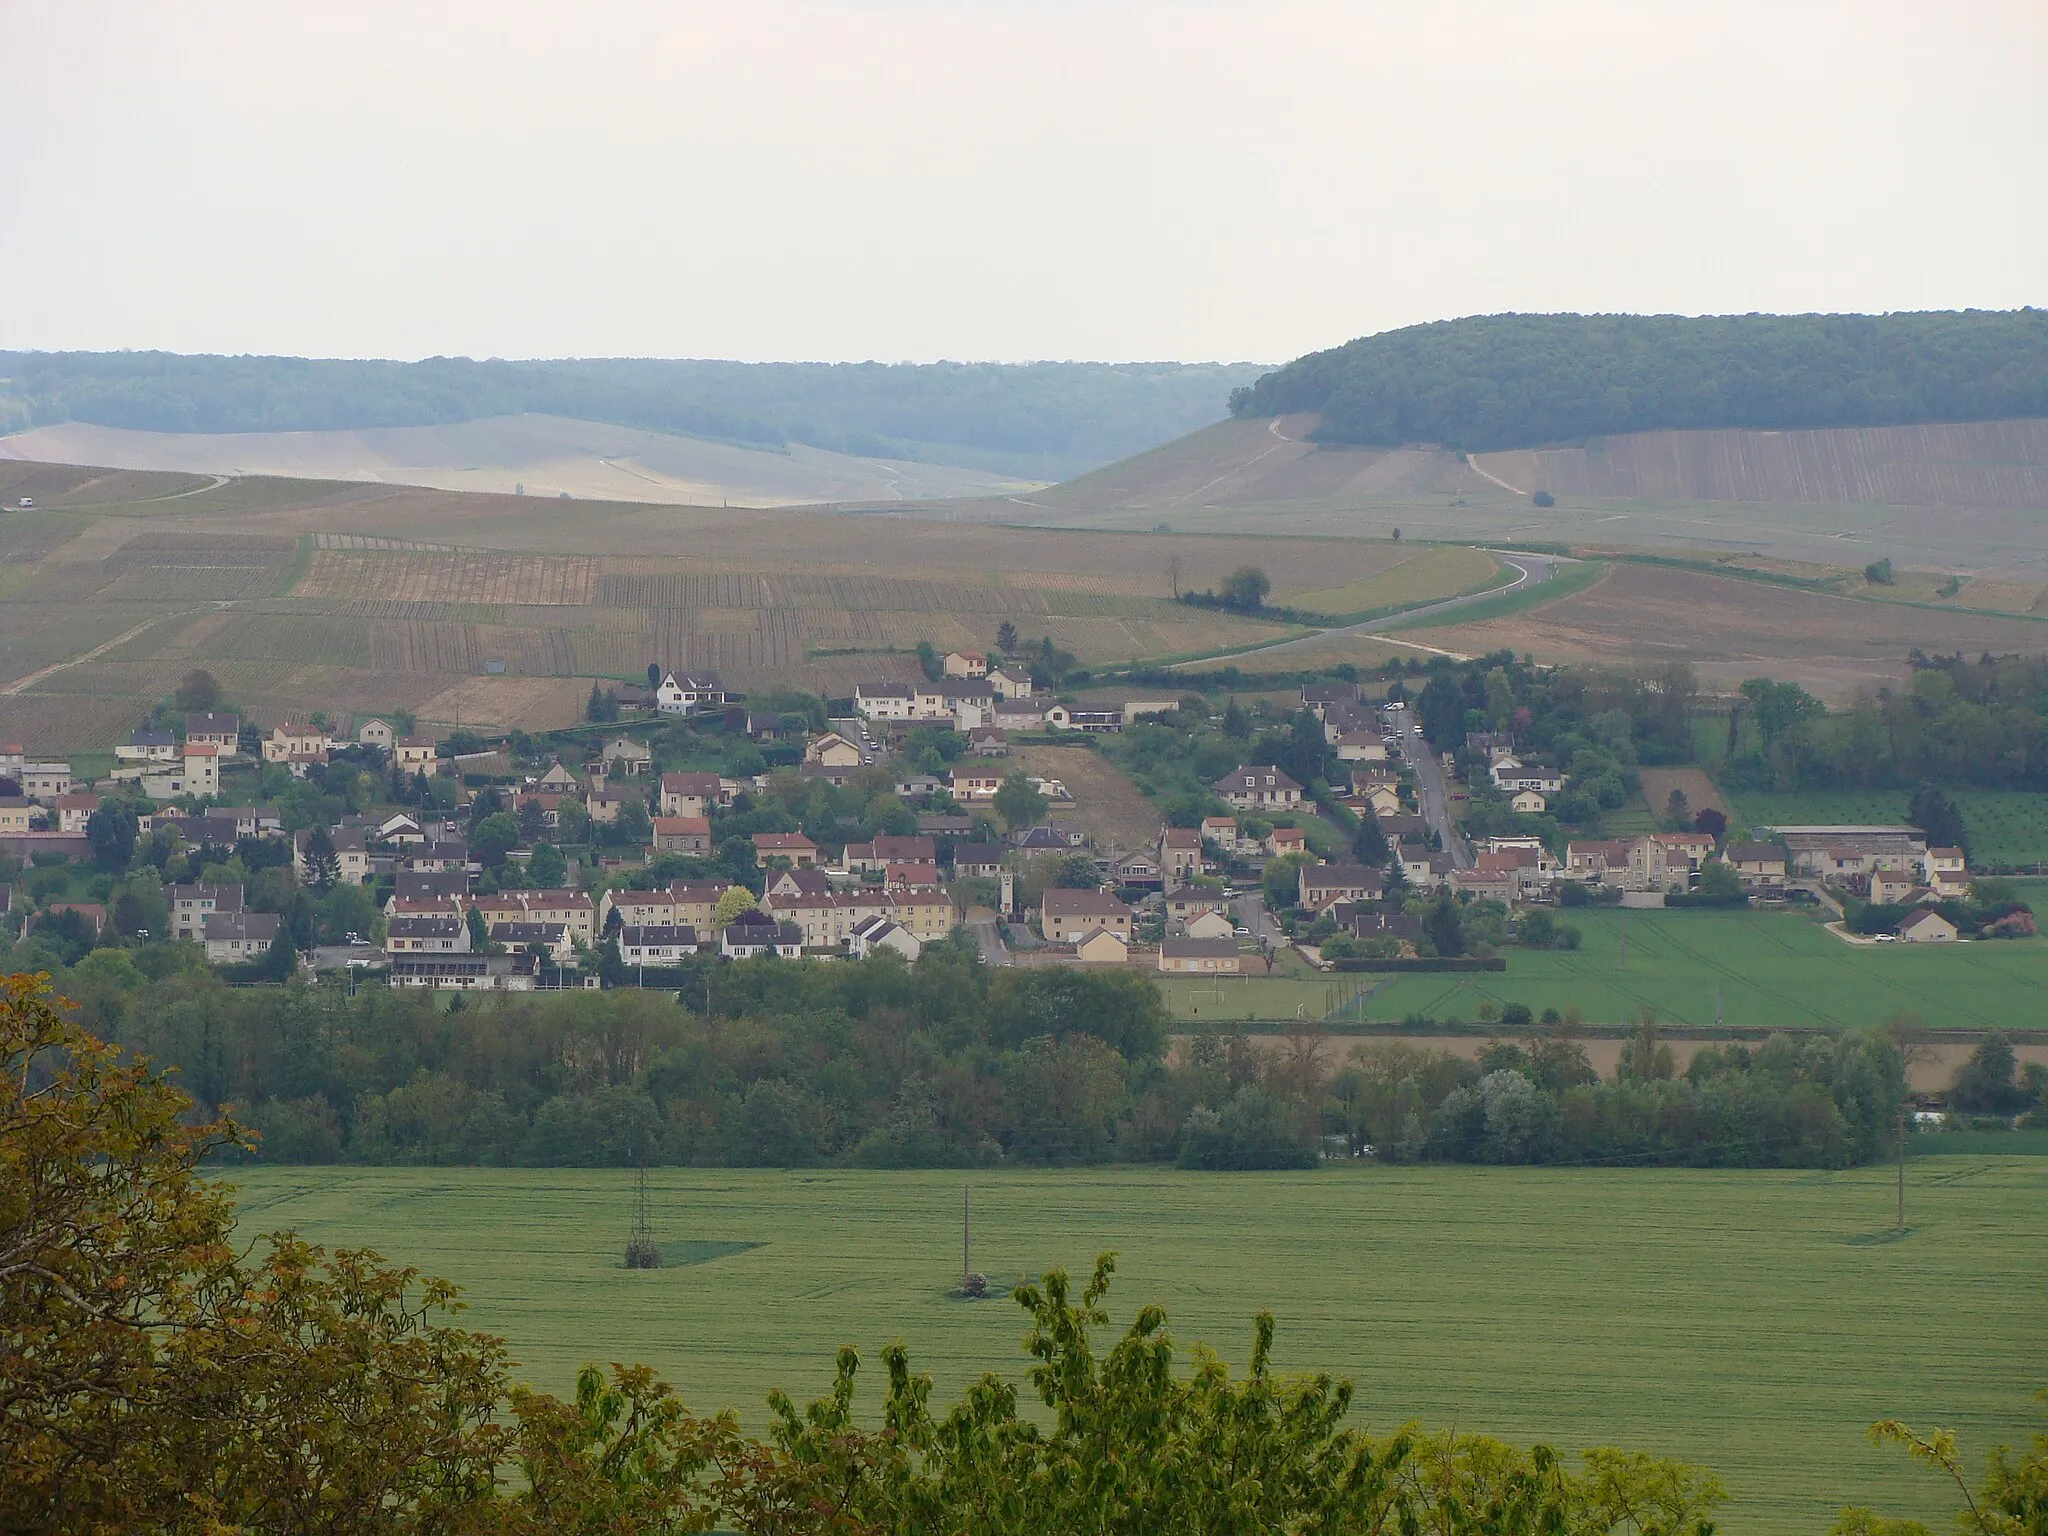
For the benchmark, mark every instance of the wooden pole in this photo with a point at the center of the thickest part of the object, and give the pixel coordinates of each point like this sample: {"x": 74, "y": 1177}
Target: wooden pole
{"x": 966, "y": 1237}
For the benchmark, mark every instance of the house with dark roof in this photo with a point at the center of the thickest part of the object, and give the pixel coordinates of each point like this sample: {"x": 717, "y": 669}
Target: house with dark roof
{"x": 1259, "y": 788}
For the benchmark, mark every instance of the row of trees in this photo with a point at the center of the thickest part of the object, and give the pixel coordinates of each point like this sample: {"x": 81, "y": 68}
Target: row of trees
{"x": 1517, "y": 381}
{"x": 944, "y": 1063}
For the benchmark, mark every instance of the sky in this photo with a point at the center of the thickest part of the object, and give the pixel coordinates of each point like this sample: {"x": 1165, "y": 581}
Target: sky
{"x": 995, "y": 179}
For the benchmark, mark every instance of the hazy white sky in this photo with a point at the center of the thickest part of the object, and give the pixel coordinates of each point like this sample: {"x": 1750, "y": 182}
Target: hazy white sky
{"x": 912, "y": 179}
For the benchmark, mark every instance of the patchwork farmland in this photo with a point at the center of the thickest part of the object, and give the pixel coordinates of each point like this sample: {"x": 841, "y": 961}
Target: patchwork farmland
{"x": 501, "y": 611}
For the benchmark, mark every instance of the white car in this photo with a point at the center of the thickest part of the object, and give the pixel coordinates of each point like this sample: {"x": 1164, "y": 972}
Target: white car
{"x": 1243, "y": 932}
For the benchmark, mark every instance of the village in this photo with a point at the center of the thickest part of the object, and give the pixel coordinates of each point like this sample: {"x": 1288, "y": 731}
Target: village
{"x": 517, "y": 864}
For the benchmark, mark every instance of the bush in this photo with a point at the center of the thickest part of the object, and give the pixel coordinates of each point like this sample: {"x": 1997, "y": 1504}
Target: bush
{"x": 1255, "y": 1130}
{"x": 1544, "y": 499}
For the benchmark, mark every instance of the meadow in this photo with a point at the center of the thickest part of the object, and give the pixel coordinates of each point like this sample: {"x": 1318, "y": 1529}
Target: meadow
{"x": 1755, "y": 1322}
{"x": 1765, "y": 969}
{"x": 2008, "y": 827}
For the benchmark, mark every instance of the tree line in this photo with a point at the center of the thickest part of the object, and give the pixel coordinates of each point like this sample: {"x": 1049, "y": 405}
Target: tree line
{"x": 943, "y": 1063}
{"x": 1044, "y": 419}
{"x": 1518, "y": 381}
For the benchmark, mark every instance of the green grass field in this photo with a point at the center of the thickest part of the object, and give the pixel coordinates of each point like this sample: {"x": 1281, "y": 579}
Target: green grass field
{"x": 1770, "y": 969}
{"x": 2008, "y": 827}
{"x": 1755, "y": 1322}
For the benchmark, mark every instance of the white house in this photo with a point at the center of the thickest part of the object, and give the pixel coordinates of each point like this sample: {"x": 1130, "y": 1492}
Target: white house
{"x": 656, "y": 944}
{"x": 146, "y": 744}
{"x": 689, "y": 693}
{"x": 878, "y": 933}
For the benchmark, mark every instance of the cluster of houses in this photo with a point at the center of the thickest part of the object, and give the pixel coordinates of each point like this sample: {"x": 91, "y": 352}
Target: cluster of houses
{"x": 972, "y": 697}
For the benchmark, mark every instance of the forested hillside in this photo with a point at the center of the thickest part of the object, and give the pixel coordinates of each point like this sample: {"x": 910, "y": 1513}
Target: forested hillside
{"x": 1051, "y": 419}
{"x": 1517, "y": 381}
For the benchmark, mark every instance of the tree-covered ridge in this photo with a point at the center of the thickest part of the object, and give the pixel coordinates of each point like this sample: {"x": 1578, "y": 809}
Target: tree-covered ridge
{"x": 1069, "y": 415}
{"x": 1517, "y": 381}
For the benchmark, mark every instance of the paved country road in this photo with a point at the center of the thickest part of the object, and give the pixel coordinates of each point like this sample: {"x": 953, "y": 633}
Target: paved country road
{"x": 1434, "y": 797}
{"x": 1530, "y": 570}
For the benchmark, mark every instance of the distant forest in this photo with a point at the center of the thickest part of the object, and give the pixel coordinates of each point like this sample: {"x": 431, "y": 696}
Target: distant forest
{"x": 1523, "y": 381}
{"x": 1045, "y": 419}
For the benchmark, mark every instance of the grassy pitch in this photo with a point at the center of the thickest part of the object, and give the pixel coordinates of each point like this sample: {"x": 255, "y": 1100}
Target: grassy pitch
{"x": 1752, "y": 1321}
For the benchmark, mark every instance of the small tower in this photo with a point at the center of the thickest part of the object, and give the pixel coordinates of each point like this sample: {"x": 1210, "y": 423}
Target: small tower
{"x": 641, "y": 1253}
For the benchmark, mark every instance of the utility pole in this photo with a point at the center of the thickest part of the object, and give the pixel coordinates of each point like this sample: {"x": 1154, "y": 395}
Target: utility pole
{"x": 966, "y": 1238}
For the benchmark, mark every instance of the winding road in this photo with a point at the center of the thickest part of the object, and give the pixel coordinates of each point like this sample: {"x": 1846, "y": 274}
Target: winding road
{"x": 1530, "y": 570}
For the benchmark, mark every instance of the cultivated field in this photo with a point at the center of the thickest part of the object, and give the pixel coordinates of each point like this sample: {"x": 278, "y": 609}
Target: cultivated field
{"x": 1106, "y": 802}
{"x": 1734, "y": 629}
{"x": 301, "y": 595}
{"x": 1693, "y": 783}
{"x": 1752, "y": 1321}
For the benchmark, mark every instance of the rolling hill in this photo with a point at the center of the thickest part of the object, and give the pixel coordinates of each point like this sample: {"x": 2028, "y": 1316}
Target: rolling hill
{"x": 1489, "y": 382}
{"x": 547, "y": 455}
{"x": 1962, "y": 497}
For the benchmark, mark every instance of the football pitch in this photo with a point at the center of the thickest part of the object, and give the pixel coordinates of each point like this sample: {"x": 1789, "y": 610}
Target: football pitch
{"x": 1755, "y": 1322}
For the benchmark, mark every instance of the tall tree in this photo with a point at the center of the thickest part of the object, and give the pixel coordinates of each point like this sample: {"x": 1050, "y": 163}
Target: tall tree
{"x": 1018, "y": 803}
{"x": 1934, "y": 811}
{"x": 198, "y": 690}
{"x": 1245, "y": 588}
